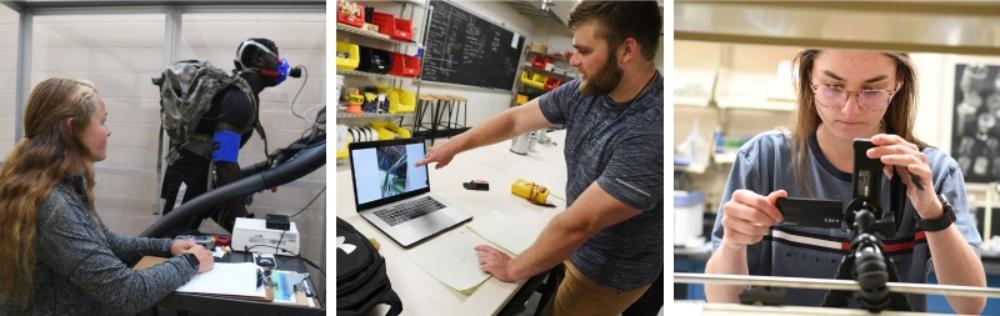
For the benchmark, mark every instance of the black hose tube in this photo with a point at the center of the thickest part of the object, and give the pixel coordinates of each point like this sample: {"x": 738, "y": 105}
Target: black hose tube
{"x": 303, "y": 163}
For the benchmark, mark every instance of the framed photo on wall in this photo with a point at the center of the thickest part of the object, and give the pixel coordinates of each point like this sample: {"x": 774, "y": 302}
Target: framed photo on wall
{"x": 975, "y": 137}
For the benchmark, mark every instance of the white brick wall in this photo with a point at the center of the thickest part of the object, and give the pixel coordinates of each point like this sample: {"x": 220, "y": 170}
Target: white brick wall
{"x": 121, "y": 53}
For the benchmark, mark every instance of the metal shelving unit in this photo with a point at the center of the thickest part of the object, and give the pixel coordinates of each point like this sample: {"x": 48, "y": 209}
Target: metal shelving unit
{"x": 374, "y": 75}
{"x": 382, "y": 41}
{"x": 374, "y": 35}
{"x": 532, "y": 92}
{"x": 344, "y": 115}
{"x": 530, "y": 68}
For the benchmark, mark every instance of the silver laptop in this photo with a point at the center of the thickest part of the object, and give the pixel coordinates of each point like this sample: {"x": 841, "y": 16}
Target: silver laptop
{"x": 392, "y": 194}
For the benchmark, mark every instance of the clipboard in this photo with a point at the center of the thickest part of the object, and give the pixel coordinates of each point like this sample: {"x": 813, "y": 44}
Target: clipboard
{"x": 300, "y": 297}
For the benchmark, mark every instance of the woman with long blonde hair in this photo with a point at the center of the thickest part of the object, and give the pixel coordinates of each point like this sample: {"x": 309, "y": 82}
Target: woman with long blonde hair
{"x": 56, "y": 256}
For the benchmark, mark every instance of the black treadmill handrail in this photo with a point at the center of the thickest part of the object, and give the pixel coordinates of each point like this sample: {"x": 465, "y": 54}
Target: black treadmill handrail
{"x": 304, "y": 162}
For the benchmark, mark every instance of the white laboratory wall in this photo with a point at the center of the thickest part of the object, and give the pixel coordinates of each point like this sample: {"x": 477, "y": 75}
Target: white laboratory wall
{"x": 121, "y": 53}
{"x": 8, "y": 74}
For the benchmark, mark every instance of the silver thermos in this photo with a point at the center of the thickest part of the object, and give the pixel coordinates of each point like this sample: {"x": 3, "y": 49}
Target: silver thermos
{"x": 519, "y": 145}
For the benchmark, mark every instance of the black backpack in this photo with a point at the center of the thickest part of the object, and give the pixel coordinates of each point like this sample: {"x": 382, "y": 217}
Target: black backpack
{"x": 361, "y": 279}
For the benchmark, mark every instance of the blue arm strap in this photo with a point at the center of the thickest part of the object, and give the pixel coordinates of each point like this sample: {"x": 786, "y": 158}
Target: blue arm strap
{"x": 228, "y": 148}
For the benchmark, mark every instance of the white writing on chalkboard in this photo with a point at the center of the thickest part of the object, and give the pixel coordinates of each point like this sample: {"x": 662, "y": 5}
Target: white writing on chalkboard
{"x": 463, "y": 48}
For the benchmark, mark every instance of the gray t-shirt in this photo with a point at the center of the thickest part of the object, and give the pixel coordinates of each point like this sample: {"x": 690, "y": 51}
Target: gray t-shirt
{"x": 763, "y": 165}
{"x": 80, "y": 272}
{"x": 620, "y": 146}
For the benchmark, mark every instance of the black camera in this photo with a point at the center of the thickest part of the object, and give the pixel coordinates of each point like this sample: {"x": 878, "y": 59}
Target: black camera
{"x": 866, "y": 184}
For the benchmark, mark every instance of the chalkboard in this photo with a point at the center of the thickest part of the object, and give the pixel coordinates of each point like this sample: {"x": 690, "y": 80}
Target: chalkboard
{"x": 462, "y": 48}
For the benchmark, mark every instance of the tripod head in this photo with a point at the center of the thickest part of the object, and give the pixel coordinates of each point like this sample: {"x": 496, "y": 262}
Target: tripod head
{"x": 866, "y": 184}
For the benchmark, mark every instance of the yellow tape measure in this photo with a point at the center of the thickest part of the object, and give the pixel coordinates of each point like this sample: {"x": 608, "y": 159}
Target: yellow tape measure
{"x": 535, "y": 193}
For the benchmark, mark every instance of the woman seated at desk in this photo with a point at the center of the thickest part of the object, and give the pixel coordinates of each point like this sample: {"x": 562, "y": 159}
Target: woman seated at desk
{"x": 56, "y": 256}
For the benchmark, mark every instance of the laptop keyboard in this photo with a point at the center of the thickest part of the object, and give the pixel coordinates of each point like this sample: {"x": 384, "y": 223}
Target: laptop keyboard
{"x": 409, "y": 210}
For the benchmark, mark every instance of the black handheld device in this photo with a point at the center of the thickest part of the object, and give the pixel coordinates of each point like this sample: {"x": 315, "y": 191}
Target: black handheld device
{"x": 866, "y": 188}
{"x": 811, "y": 213}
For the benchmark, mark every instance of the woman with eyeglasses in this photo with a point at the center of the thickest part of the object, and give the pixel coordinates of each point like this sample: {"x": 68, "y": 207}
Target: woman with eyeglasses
{"x": 843, "y": 95}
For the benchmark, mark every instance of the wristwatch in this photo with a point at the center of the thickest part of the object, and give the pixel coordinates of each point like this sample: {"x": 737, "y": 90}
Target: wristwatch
{"x": 947, "y": 217}
{"x": 193, "y": 260}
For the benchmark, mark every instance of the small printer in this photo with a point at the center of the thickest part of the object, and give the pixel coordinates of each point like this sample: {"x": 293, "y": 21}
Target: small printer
{"x": 252, "y": 235}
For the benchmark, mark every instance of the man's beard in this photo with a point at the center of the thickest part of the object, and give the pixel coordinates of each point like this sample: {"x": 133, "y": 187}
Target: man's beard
{"x": 605, "y": 80}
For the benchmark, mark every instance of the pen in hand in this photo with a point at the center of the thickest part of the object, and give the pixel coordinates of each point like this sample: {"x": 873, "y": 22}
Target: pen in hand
{"x": 916, "y": 182}
{"x": 913, "y": 178}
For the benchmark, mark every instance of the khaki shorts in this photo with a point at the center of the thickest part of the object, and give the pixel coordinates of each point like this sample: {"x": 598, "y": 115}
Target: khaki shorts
{"x": 579, "y": 295}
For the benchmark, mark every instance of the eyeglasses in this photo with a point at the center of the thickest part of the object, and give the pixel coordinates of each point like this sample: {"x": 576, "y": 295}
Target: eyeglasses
{"x": 835, "y": 97}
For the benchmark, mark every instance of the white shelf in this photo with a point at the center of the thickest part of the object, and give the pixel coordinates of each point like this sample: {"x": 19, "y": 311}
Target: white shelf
{"x": 691, "y": 101}
{"x": 344, "y": 115}
{"x": 531, "y": 68}
{"x": 697, "y": 168}
{"x": 756, "y": 103}
{"x": 373, "y": 35}
{"x": 374, "y": 75}
{"x": 724, "y": 158}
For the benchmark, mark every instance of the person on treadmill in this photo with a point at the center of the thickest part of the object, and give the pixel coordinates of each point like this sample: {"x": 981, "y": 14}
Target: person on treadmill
{"x": 230, "y": 121}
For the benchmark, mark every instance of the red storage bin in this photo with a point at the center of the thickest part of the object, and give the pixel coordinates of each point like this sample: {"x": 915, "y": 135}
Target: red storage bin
{"x": 386, "y": 22}
{"x": 406, "y": 66}
{"x": 403, "y": 30}
{"x": 552, "y": 83}
{"x": 344, "y": 15}
{"x": 539, "y": 61}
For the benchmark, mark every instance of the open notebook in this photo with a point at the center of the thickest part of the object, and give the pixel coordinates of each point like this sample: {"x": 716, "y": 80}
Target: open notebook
{"x": 451, "y": 258}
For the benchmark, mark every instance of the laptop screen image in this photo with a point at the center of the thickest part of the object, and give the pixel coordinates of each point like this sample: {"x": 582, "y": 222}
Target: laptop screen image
{"x": 387, "y": 172}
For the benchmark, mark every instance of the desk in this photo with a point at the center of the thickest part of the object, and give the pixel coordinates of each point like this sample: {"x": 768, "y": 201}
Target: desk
{"x": 545, "y": 166}
{"x": 701, "y": 308}
{"x": 228, "y": 306}
{"x": 423, "y": 295}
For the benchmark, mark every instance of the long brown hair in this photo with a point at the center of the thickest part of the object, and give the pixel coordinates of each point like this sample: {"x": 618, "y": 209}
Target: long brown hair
{"x": 898, "y": 119}
{"x": 50, "y": 151}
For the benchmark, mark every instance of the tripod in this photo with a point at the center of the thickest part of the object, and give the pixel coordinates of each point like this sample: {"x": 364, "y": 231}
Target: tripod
{"x": 870, "y": 267}
{"x": 863, "y": 218}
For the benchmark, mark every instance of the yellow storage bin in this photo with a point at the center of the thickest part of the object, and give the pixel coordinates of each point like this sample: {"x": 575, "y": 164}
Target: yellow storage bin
{"x": 398, "y": 132}
{"x": 383, "y": 133}
{"x": 536, "y": 81}
{"x": 348, "y": 56}
{"x": 521, "y": 99}
{"x": 391, "y": 96}
{"x": 406, "y": 102}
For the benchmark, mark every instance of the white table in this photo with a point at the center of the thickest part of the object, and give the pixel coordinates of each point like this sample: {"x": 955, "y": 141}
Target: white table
{"x": 702, "y": 308}
{"x": 423, "y": 295}
{"x": 545, "y": 166}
